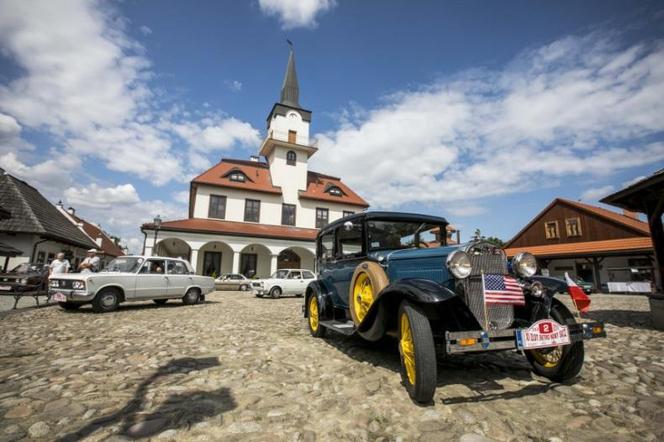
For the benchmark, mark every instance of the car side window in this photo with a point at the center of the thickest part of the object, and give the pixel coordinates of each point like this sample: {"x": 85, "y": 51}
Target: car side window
{"x": 326, "y": 246}
{"x": 154, "y": 267}
{"x": 176, "y": 268}
{"x": 306, "y": 274}
{"x": 349, "y": 240}
{"x": 294, "y": 275}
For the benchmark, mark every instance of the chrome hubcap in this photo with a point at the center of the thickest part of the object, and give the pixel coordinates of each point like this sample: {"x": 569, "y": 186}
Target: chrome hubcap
{"x": 108, "y": 300}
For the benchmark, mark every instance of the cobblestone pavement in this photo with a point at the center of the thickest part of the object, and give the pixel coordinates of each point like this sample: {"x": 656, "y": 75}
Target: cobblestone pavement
{"x": 242, "y": 368}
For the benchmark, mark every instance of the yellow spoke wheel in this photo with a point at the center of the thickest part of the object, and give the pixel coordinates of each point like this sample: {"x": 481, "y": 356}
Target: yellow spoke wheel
{"x": 407, "y": 348}
{"x": 548, "y": 358}
{"x": 313, "y": 314}
{"x": 363, "y": 295}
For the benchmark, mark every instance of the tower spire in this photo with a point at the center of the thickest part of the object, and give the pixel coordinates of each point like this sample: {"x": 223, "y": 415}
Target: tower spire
{"x": 290, "y": 90}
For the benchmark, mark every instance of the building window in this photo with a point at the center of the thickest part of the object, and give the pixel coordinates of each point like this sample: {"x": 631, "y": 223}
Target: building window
{"x": 573, "y": 226}
{"x": 291, "y": 158}
{"x": 252, "y": 210}
{"x": 334, "y": 190}
{"x": 217, "y": 207}
{"x": 322, "y": 217}
{"x": 237, "y": 176}
{"x": 551, "y": 230}
{"x": 348, "y": 213}
{"x": 288, "y": 214}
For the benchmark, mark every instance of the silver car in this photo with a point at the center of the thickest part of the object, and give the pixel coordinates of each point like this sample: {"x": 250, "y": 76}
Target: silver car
{"x": 131, "y": 278}
{"x": 233, "y": 281}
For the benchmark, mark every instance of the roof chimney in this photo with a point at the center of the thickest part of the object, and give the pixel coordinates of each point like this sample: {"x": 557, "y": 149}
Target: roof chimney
{"x": 71, "y": 210}
{"x": 630, "y": 214}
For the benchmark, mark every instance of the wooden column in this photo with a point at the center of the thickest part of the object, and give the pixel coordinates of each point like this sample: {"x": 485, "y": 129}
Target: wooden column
{"x": 657, "y": 233}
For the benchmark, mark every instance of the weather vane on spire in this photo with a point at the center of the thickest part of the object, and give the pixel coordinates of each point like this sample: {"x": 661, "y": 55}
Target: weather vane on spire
{"x": 290, "y": 43}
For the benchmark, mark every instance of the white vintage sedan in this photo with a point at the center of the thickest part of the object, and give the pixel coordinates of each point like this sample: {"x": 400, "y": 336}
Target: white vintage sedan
{"x": 284, "y": 282}
{"x": 128, "y": 279}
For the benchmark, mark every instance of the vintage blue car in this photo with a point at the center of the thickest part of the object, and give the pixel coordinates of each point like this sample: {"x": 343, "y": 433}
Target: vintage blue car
{"x": 382, "y": 273}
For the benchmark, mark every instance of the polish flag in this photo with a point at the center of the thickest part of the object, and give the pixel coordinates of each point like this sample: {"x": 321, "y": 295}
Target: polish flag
{"x": 581, "y": 300}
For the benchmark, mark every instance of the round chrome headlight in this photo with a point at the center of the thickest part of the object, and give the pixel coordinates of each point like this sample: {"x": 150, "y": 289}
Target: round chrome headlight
{"x": 78, "y": 285}
{"x": 524, "y": 264}
{"x": 458, "y": 264}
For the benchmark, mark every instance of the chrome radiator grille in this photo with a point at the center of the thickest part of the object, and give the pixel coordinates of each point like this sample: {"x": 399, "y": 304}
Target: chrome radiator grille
{"x": 486, "y": 258}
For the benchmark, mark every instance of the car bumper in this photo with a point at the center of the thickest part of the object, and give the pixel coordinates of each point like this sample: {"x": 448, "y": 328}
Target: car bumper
{"x": 72, "y": 295}
{"x": 507, "y": 339}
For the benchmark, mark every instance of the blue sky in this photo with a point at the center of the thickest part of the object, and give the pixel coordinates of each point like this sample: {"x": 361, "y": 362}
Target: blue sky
{"x": 479, "y": 111}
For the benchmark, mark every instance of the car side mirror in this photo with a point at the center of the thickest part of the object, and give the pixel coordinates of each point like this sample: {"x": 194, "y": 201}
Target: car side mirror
{"x": 348, "y": 226}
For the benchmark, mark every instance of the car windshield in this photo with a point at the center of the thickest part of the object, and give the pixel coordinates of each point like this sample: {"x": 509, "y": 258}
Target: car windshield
{"x": 26, "y": 267}
{"x": 279, "y": 274}
{"x": 124, "y": 264}
{"x": 389, "y": 235}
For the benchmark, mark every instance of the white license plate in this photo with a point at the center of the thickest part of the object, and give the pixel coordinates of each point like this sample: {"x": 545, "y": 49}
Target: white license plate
{"x": 5, "y": 287}
{"x": 542, "y": 334}
{"x": 59, "y": 297}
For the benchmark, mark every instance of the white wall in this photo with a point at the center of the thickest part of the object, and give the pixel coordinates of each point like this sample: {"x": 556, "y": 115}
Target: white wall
{"x": 291, "y": 179}
{"x": 270, "y": 206}
{"x": 280, "y": 125}
{"x": 25, "y": 243}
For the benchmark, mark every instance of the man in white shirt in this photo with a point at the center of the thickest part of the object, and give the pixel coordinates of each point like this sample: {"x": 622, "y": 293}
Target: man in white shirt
{"x": 59, "y": 265}
{"x": 90, "y": 263}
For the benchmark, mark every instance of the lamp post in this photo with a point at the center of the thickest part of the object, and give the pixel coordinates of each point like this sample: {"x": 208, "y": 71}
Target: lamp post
{"x": 157, "y": 226}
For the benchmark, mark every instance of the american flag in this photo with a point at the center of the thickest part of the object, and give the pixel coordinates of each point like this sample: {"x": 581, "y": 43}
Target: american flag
{"x": 501, "y": 289}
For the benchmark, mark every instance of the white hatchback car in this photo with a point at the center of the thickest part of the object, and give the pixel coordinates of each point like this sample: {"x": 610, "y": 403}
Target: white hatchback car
{"x": 284, "y": 282}
{"x": 130, "y": 278}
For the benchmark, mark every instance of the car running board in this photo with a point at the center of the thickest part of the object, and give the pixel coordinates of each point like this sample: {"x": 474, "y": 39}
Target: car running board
{"x": 343, "y": 327}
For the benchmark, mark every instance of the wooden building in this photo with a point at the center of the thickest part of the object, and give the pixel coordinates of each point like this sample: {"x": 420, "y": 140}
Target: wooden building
{"x": 612, "y": 250}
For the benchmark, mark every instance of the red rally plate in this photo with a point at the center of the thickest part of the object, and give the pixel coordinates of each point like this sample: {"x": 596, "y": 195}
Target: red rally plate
{"x": 544, "y": 333}
{"x": 59, "y": 297}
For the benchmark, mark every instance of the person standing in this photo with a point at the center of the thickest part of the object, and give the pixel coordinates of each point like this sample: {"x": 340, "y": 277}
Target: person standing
{"x": 59, "y": 265}
{"x": 90, "y": 263}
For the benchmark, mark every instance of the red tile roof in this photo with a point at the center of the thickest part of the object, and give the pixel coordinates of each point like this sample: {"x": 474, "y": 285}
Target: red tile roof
{"x": 108, "y": 246}
{"x": 318, "y": 183}
{"x": 586, "y": 248}
{"x": 258, "y": 176}
{"x": 235, "y": 228}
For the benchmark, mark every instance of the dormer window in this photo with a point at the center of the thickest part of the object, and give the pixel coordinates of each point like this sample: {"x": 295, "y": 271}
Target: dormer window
{"x": 291, "y": 158}
{"x": 334, "y": 190}
{"x": 237, "y": 175}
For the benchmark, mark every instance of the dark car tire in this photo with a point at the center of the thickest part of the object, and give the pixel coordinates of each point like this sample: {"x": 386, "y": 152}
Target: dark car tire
{"x": 70, "y": 306}
{"x": 299, "y": 295}
{"x": 275, "y": 292}
{"x": 191, "y": 297}
{"x": 160, "y": 301}
{"x": 107, "y": 300}
{"x": 417, "y": 353}
{"x": 373, "y": 276}
{"x": 569, "y": 364}
{"x": 258, "y": 295}
{"x": 313, "y": 318}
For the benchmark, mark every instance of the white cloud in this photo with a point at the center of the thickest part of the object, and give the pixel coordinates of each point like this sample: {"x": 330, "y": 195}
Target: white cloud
{"x": 633, "y": 181}
{"x": 579, "y": 106}
{"x": 596, "y": 193}
{"x": 221, "y": 134}
{"x": 181, "y": 197}
{"x": 233, "y": 85}
{"x": 145, "y": 30}
{"x": 88, "y": 86}
{"x": 49, "y": 176}
{"x": 101, "y": 197}
{"x": 296, "y": 13}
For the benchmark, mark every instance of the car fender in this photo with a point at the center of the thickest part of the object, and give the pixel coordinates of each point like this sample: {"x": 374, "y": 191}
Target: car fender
{"x": 438, "y": 302}
{"x": 325, "y": 308}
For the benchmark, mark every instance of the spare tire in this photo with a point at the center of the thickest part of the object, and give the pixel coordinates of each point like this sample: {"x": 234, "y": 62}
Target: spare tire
{"x": 368, "y": 280}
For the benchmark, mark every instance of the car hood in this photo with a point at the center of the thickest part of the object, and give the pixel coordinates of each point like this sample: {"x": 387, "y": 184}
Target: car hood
{"x": 423, "y": 253}
{"x": 90, "y": 275}
{"x": 19, "y": 275}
